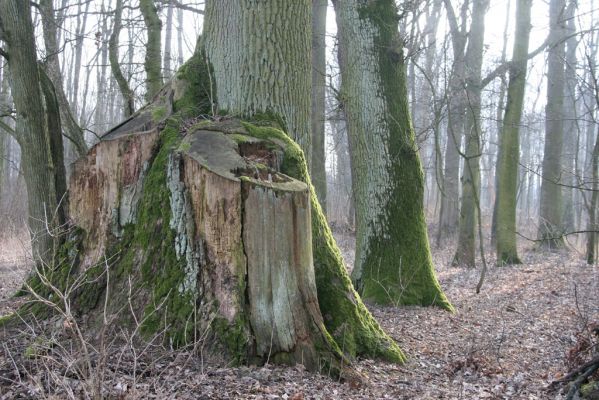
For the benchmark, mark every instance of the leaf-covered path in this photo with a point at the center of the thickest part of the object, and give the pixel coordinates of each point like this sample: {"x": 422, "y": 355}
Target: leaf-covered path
{"x": 509, "y": 342}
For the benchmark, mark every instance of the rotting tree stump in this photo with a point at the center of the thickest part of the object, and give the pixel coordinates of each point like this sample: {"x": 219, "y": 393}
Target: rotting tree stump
{"x": 201, "y": 232}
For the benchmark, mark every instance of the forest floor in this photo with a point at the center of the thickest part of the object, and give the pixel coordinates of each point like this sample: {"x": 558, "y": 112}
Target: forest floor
{"x": 508, "y": 342}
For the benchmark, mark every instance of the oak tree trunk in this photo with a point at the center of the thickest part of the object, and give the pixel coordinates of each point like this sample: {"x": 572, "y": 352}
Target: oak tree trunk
{"x": 393, "y": 261}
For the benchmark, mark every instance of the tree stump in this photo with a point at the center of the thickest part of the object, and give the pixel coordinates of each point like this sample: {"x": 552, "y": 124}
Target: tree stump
{"x": 202, "y": 233}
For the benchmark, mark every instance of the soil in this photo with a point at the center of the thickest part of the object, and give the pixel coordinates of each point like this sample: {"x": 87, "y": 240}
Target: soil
{"x": 508, "y": 342}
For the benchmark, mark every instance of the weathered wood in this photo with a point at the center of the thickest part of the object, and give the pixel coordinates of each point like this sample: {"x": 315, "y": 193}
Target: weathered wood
{"x": 240, "y": 231}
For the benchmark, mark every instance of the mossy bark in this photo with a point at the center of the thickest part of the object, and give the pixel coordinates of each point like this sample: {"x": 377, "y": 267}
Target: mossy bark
{"x": 393, "y": 260}
{"x": 152, "y": 60}
{"x": 509, "y": 142}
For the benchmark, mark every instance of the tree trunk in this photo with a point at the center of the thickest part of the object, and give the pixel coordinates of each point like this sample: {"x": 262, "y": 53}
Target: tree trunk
{"x": 466, "y": 250}
{"x": 318, "y": 166}
{"x": 248, "y": 63}
{"x": 216, "y": 224}
{"x": 571, "y": 127}
{"x": 168, "y": 41}
{"x": 550, "y": 225}
{"x": 52, "y": 65}
{"x": 153, "y": 61}
{"x": 449, "y": 215}
{"x": 37, "y": 130}
{"x": 115, "y": 66}
{"x": 592, "y": 224}
{"x": 509, "y": 141}
{"x": 386, "y": 172}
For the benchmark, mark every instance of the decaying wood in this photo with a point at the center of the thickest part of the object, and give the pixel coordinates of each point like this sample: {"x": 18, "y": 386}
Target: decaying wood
{"x": 242, "y": 231}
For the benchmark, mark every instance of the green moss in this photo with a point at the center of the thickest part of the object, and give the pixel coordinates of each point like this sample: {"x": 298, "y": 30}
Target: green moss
{"x": 589, "y": 388}
{"x": 347, "y": 319}
{"x": 193, "y": 81}
{"x": 234, "y": 336}
{"x": 158, "y": 113}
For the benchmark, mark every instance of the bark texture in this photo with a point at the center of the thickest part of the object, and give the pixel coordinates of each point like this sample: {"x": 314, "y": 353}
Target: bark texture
{"x": 153, "y": 61}
{"x": 393, "y": 261}
{"x": 509, "y": 141}
{"x": 260, "y": 54}
{"x": 115, "y": 65}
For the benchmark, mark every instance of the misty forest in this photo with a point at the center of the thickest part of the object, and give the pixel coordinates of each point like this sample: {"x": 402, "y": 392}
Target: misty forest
{"x": 299, "y": 199}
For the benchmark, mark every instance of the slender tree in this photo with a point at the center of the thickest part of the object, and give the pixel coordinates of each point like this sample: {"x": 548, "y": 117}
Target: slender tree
{"x": 115, "y": 66}
{"x": 37, "y": 129}
{"x": 393, "y": 261}
{"x": 318, "y": 168}
{"x": 449, "y": 215}
{"x": 466, "y": 250}
{"x": 52, "y": 65}
{"x": 153, "y": 61}
{"x": 550, "y": 209}
{"x": 509, "y": 142}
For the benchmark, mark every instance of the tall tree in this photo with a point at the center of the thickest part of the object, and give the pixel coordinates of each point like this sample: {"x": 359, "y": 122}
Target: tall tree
{"x": 571, "y": 123}
{"x": 449, "y": 215}
{"x": 318, "y": 166}
{"x": 115, "y": 65}
{"x": 509, "y": 141}
{"x": 37, "y": 129}
{"x": 550, "y": 211}
{"x": 393, "y": 261}
{"x": 153, "y": 61}
{"x": 52, "y": 65}
{"x": 465, "y": 253}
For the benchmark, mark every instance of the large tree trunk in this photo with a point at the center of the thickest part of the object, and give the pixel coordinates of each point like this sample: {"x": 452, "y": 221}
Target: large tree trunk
{"x": 256, "y": 74}
{"x": 393, "y": 262}
{"x": 550, "y": 225}
{"x": 509, "y": 141}
{"x": 466, "y": 250}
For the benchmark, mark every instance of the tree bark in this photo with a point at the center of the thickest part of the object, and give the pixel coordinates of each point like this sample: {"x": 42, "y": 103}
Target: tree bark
{"x": 152, "y": 63}
{"x": 244, "y": 59}
{"x": 115, "y": 66}
{"x": 550, "y": 226}
{"x": 509, "y": 141}
{"x": 386, "y": 171}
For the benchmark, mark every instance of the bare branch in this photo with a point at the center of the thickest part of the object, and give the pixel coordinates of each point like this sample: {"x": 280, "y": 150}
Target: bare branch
{"x": 182, "y": 6}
